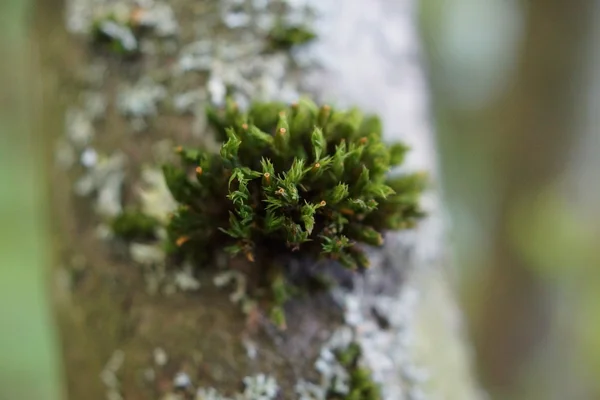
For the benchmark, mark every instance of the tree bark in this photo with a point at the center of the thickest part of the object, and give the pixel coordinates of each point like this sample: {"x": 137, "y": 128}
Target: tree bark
{"x": 114, "y": 326}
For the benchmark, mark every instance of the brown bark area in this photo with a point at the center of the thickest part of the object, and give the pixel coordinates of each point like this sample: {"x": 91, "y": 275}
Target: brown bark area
{"x": 106, "y": 307}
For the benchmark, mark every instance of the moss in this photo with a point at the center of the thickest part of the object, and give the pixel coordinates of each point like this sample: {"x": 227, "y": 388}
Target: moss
{"x": 290, "y": 180}
{"x": 362, "y": 386}
{"x": 284, "y": 37}
{"x": 134, "y": 225}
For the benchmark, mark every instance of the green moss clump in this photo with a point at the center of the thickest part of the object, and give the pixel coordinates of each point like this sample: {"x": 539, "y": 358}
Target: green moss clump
{"x": 134, "y": 225}
{"x": 293, "y": 180}
{"x": 289, "y": 179}
{"x": 284, "y": 37}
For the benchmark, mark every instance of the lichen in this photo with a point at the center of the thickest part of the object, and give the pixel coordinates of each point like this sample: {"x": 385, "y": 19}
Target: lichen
{"x": 115, "y": 35}
{"x": 361, "y": 385}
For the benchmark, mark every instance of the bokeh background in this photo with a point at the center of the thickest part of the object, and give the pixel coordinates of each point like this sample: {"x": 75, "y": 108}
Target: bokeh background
{"x": 514, "y": 88}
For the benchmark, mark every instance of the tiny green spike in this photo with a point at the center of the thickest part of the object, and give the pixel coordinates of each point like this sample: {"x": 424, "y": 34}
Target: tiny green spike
{"x": 318, "y": 142}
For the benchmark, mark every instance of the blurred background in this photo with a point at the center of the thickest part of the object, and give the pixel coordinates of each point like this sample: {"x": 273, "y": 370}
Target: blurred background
{"x": 515, "y": 89}
{"x": 514, "y": 94}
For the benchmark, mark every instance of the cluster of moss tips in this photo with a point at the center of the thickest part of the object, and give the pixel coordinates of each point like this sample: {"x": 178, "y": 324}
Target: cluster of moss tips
{"x": 299, "y": 180}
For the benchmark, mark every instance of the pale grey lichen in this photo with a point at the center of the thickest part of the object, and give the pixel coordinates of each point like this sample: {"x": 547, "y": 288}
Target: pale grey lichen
{"x": 120, "y": 33}
{"x": 310, "y": 391}
{"x": 238, "y": 279}
{"x": 80, "y": 130}
{"x": 260, "y": 387}
{"x": 141, "y": 99}
{"x": 109, "y": 375}
{"x": 160, "y": 17}
{"x": 89, "y": 157}
{"x": 250, "y": 347}
{"x": 160, "y": 356}
{"x": 209, "y": 394}
{"x": 182, "y": 380}
{"x": 146, "y": 254}
{"x": 387, "y": 349}
{"x": 256, "y": 387}
{"x": 154, "y": 195}
{"x": 187, "y": 102}
{"x": 334, "y": 375}
{"x": 105, "y": 179}
{"x": 184, "y": 279}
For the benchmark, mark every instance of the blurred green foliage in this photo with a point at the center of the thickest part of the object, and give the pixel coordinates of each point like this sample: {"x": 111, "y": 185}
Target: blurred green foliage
{"x": 29, "y": 364}
{"x": 508, "y": 90}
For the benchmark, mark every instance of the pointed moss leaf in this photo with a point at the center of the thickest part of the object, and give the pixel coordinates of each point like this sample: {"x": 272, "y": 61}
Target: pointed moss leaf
{"x": 347, "y": 260}
{"x": 362, "y": 182}
{"x": 282, "y": 135}
{"x": 379, "y": 190}
{"x": 366, "y": 234}
{"x": 273, "y": 221}
{"x": 259, "y": 137}
{"x": 397, "y": 153}
{"x": 296, "y": 172}
{"x": 318, "y": 142}
{"x": 308, "y": 216}
{"x": 233, "y": 249}
{"x": 338, "y": 193}
{"x": 338, "y": 159}
{"x": 229, "y": 149}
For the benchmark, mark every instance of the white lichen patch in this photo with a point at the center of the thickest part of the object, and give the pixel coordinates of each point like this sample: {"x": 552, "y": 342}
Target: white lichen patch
{"x": 142, "y": 99}
{"x": 109, "y": 375}
{"x": 182, "y": 380}
{"x": 105, "y": 179}
{"x": 237, "y": 279}
{"x": 333, "y": 374}
{"x": 187, "y": 102}
{"x": 155, "y": 198}
{"x": 80, "y": 129}
{"x": 160, "y": 357}
{"x": 310, "y": 391}
{"x": 158, "y": 16}
{"x": 209, "y": 394}
{"x": 120, "y": 33}
{"x": 256, "y": 387}
{"x": 146, "y": 254}
{"x": 185, "y": 280}
{"x": 383, "y": 326}
{"x": 260, "y": 387}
